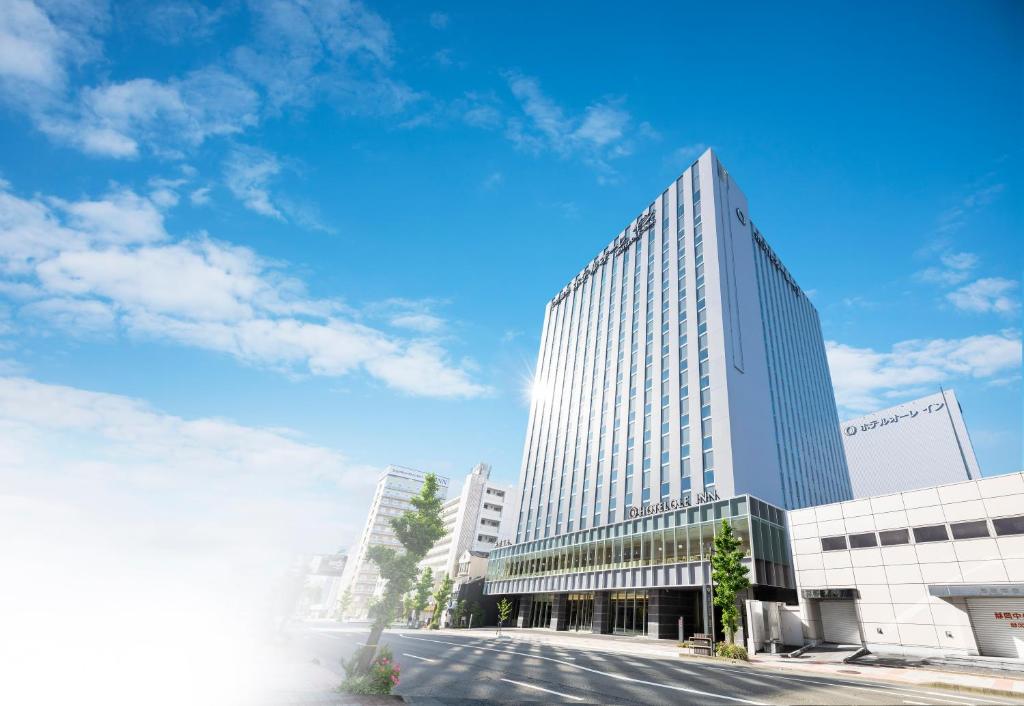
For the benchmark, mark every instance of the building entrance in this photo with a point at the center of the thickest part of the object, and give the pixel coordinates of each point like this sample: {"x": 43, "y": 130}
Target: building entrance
{"x": 580, "y": 611}
{"x": 540, "y": 611}
{"x": 629, "y": 612}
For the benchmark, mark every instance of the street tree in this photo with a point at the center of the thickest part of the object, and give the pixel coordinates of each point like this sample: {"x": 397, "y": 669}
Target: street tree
{"x": 441, "y": 596}
{"x": 421, "y": 592}
{"x": 416, "y": 530}
{"x": 504, "y": 612}
{"x": 729, "y": 575}
{"x": 344, "y": 603}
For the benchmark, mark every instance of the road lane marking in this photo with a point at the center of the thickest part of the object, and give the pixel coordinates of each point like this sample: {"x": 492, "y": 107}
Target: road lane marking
{"x": 620, "y": 677}
{"x": 425, "y": 659}
{"x": 915, "y": 703}
{"x": 540, "y": 688}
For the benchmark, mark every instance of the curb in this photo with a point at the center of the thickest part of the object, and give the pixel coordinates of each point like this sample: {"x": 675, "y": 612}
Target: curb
{"x": 989, "y": 691}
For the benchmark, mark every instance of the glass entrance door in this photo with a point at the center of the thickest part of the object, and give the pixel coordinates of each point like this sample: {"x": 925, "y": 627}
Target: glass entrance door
{"x": 540, "y": 611}
{"x": 629, "y": 612}
{"x": 580, "y": 611}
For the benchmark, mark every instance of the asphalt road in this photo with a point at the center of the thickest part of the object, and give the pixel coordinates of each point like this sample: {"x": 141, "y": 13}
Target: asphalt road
{"x": 460, "y": 669}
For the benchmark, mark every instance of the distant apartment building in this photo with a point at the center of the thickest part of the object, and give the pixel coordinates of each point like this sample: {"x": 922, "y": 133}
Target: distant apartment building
{"x": 474, "y": 521}
{"x": 396, "y": 486}
{"x": 321, "y": 584}
{"x": 917, "y": 444}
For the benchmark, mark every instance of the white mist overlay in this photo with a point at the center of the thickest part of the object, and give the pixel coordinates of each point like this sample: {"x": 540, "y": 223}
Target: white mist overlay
{"x": 145, "y": 555}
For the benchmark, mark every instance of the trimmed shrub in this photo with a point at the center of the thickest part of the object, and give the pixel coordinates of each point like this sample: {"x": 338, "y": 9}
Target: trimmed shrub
{"x": 725, "y": 649}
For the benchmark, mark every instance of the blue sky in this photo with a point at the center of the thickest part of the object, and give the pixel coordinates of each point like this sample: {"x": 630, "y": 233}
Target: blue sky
{"x": 252, "y": 253}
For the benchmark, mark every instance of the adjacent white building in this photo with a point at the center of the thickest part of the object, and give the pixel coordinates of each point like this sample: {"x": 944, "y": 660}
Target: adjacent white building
{"x": 916, "y": 444}
{"x": 473, "y": 522}
{"x": 932, "y": 572}
{"x": 390, "y": 499}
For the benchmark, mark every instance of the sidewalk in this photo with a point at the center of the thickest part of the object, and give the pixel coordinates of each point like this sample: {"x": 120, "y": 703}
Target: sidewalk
{"x": 915, "y": 676}
{"x": 810, "y": 664}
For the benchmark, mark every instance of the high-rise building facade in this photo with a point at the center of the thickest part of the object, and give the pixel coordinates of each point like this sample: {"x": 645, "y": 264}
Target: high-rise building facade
{"x": 683, "y": 361}
{"x": 681, "y": 382}
{"x": 474, "y": 521}
{"x": 917, "y": 444}
{"x": 395, "y": 487}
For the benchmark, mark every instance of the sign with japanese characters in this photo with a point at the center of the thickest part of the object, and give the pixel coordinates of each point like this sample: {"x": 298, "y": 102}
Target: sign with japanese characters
{"x": 643, "y": 223}
{"x": 894, "y": 418}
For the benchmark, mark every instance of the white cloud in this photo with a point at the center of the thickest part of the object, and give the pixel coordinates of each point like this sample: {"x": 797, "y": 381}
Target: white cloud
{"x": 683, "y": 156}
{"x": 439, "y": 20}
{"x": 864, "y": 378}
{"x": 120, "y": 217}
{"x": 956, "y": 268}
{"x": 112, "y": 120}
{"x": 171, "y": 533}
{"x": 990, "y": 294}
{"x": 248, "y": 172}
{"x": 81, "y": 317}
{"x": 598, "y": 136}
{"x": 200, "y": 196}
{"x": 31, "y": 48}
{"x": 300, "y": 53}
{"x": 493, "y": 180}
{"x": 203, "y": 293}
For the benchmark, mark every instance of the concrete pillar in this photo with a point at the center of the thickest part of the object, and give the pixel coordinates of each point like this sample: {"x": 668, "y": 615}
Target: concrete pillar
{"x": 559, "y": 611}
{"x": 525, "y": 604}
{"x": 602, "y": 613}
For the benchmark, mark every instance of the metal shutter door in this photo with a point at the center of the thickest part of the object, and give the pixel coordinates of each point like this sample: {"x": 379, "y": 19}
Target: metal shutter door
{"x": 996, "y": 636}
{"x": 839, "y": 622}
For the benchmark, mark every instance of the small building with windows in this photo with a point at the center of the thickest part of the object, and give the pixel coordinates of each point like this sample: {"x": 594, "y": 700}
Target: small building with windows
{"x": 639, "y": 577}
{"x": 932, "y": 572}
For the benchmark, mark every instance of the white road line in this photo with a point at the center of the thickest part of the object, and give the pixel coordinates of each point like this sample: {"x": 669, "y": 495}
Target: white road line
{"x": 915, "y": 703}
{"x": 620, "y": 677}
{"x": 425, "y": 659}
{"x": 540, "y": 688}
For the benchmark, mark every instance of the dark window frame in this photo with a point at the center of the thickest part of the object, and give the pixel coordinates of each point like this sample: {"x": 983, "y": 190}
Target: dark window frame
{"x": 863, "y": 536}
{"x": 921, "y": 534}
{"x": 834, "y": 549}
{"x": 970, "y": 529}
{"x": 1015, "y": 525}
{"x": 885, "y": 535}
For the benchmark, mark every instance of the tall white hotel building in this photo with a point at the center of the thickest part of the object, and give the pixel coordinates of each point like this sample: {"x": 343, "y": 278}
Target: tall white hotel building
{"x": 683, "y": 364}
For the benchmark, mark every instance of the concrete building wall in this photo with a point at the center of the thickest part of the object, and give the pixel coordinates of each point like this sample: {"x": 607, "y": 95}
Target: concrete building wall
{"x": 474, "y": 521}
{"x": 894, "y": 584}
{"x": 917, "y": 444}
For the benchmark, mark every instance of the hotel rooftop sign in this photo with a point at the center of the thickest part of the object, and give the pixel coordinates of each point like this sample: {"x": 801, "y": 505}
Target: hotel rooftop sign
{"x": 643, "y": 223}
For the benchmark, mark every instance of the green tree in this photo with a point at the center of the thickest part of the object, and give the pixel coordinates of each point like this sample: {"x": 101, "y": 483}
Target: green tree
{"x": 441, "y": 596}
{"x": 729, "y": 575}
{"x": 458, "y": 613}
{"x": 421, "y": 592}
{"x": 416, "y": 530}
{"x": 344, "y": 603}
{"x": 504, "y": 612}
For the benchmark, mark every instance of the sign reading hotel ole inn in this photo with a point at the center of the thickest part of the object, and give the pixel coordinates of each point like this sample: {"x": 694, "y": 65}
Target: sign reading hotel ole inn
{"x": 657, "y": 508}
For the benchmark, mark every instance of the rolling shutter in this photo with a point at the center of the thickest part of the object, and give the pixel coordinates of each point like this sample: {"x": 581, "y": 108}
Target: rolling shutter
{"x": 839, "y": 622}
{"x": 998, "y": 626}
